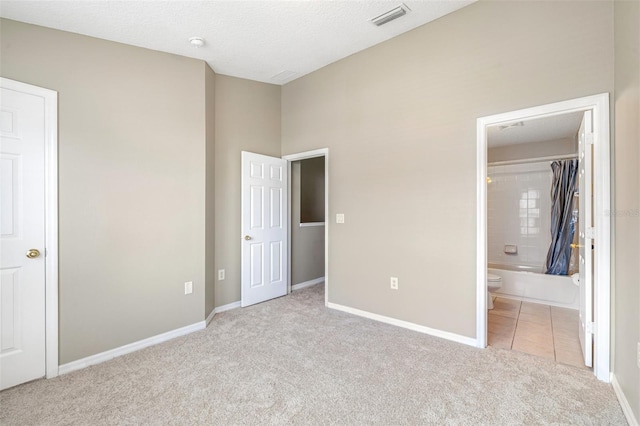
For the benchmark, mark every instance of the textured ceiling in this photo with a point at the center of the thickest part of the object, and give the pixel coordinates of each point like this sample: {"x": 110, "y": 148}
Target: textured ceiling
{"x": 538, "y": 130}
{"x": 271, "y": 41}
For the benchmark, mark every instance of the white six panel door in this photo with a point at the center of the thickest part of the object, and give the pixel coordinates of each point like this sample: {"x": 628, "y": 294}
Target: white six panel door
{"x": 585, "y": 228}
{"x": 264, "y": 228}
{"x": 22, "y": 223}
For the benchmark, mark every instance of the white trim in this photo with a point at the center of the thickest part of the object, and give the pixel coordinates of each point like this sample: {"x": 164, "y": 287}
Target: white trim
{"x": 51, "y": 217}
{"x": 624, "y": 402}
{"x": 131, "y": 347}
{"x": 228, "y": 307}
{"x": 599, "y": 104}
{"x": 405, "y": 324}
{"x": 308, "y": 224}
{"x": 322, "y": 152}
{"x": 309, "y": 283}
{"x": 210, "y": 317}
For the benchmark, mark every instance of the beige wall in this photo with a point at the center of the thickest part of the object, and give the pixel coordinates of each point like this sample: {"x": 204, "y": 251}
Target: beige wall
{"x": 400, "y": 122}
{"x": 626, "y": 250}
{"x": 247, "y": 119}
{"x": 532, "y": 150}
{"x": 307, "y": 243}
{"x": 210, "y": 231}
{"x": 131, "y": 183}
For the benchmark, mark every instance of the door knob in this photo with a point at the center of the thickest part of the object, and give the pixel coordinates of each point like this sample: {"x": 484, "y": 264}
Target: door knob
{"x": 33, "y": 253}
{"x": 576, "y": 245}
{"x": 246, "y": 237}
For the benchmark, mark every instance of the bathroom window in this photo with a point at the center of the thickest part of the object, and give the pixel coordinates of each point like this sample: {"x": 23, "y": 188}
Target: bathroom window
{"x": 530, "y": 213}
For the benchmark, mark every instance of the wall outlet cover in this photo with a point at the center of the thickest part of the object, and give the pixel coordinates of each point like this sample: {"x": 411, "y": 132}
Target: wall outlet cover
{"x": 394, "y": 283}
{"x": 220, "y": 274}
{"x": 340, "y": 218}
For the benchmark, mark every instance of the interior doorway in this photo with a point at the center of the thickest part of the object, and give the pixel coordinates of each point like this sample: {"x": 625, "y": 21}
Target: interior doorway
{"x": 309, "y": 219}
{"x": 596, "y": 138}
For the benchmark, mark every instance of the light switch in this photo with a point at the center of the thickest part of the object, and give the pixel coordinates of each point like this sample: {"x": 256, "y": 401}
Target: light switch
{"x": 340, "y": 218}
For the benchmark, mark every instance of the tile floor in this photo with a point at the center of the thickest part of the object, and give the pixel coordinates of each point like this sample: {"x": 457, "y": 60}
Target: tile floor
{"x": 545, "y": 331}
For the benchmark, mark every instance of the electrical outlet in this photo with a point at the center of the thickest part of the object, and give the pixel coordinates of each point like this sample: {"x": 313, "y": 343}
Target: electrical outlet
{"x": 220, "y": 274}
{"x": 188, "y": 287}
{"x": 394, "y": 283}
{"x": 340, "y": 218}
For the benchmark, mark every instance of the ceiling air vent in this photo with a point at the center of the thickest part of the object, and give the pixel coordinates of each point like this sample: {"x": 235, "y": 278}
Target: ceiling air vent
{"x": 391, "y": 15}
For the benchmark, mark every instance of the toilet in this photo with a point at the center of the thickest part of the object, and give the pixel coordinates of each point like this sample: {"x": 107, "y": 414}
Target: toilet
{"x": 494, "y": 282}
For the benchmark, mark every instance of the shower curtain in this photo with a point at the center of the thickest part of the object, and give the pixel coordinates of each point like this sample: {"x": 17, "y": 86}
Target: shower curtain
{"x": 562, "y": 224}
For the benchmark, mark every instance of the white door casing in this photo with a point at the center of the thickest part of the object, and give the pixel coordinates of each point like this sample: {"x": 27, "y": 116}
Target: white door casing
{"x": 585, "y": 236}
{"x": 599, "y": 106}
{"x": 22, "y": 217}
{"x": 265, "y": 269}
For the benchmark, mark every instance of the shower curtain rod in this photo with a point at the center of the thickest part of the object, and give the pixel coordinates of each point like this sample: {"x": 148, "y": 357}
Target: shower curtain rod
{"x": 534, "y": 160}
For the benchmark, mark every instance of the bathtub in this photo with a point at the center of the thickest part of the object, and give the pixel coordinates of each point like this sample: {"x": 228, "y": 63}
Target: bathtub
{"x": 532, "y": 285}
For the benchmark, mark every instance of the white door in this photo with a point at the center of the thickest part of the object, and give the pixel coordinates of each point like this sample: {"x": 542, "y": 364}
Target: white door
{"x": 585, "y": 228}
{"x": 22, "y": 222}
{"x": 264, "y": 228}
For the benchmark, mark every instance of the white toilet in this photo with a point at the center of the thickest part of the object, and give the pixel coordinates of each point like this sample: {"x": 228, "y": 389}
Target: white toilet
{"x": 494, "y": 282}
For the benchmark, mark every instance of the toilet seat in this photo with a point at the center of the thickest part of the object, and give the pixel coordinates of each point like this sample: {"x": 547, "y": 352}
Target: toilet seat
{"x": 493, "y": 278}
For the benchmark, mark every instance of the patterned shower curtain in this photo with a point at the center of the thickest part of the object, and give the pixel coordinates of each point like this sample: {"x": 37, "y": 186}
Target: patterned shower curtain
{"x": 562, "y": 225}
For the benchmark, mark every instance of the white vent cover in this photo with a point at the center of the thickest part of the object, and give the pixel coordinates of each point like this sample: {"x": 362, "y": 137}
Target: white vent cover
{"x": 389, "y": 16}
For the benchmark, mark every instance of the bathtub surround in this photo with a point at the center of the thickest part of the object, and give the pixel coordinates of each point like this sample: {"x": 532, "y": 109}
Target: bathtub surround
{"x": 536, "y": 286}
{"x": 519, "y": 213}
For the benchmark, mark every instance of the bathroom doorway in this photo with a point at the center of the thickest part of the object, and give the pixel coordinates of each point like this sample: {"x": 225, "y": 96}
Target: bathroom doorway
{"x": 539, "y": 306}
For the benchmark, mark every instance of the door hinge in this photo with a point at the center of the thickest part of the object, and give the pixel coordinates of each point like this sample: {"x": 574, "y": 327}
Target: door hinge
{"x": 590, "y": 327}
{"x": 589, "y": 138}
{"x": 590, "y": 233}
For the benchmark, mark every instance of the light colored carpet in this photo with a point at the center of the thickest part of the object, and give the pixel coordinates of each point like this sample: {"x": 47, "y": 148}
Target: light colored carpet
{"x": 291, "y": 360}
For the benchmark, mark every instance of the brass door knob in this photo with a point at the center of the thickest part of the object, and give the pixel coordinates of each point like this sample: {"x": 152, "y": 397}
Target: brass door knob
{"x": 246, "y": 237}
{"x": 576, "y": 245}
{"x": 33, "y": 253}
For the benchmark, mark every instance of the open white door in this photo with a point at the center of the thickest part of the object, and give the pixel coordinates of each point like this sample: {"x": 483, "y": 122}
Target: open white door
{"x": 585, "y": 234}
{"x": 22, "y": 223}
{"x": 264, "y": 228}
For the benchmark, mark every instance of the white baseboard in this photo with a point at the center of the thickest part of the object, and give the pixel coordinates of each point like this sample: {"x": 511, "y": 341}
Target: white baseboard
{"x": 307, "y": 283}
{"x": 131, "y": 347}
{"x": 624, "y": 403}
{"x": 227, "y": 307}
{"x": 210, "y": 317}
{"x": 405, "y": 324}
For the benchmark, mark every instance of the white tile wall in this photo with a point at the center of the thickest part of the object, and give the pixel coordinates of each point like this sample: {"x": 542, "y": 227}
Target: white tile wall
{"x": 519, "y": 212}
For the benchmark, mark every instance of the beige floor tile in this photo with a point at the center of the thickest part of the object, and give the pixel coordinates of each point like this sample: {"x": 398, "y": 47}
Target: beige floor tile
{"x": 533, "y": 327}
{"x": 566, "y": 344}
{"x": 570, "y": 358}
{"x": 506, "y": 330}
{"x": 537, "y": 318}
{"x": 566, "y": 333}
{"x": 533, "y": 348}
{"x": 500, "y": 341}
{"x": 530, "y": 308}
{"x": 570, "y": 313}
{"x": 500, "y": 319}
{"x": 504, "y": 312}
{"x": 542, "y": 339}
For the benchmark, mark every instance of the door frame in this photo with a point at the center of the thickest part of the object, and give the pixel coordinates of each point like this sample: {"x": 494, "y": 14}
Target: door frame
{"x": 599, "y": 104}
{"x": 51, "y": 216}
{"x": 322, "y": 152}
